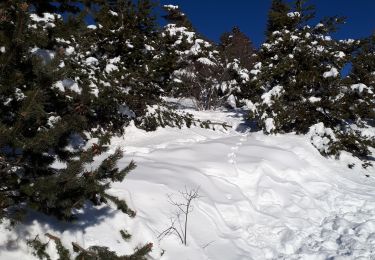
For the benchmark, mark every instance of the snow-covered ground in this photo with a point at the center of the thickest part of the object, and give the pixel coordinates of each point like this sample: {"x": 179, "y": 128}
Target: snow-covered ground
{"x": 261, "y": 197}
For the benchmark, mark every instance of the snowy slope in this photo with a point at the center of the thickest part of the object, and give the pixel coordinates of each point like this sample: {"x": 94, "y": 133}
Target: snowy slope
{"x": 262, "y": 197}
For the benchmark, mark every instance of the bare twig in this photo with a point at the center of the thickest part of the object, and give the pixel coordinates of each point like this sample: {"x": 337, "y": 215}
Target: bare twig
{"x": 181, "y": 216}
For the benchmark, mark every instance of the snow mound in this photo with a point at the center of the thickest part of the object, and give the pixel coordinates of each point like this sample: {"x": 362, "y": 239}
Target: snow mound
{"x": 333, "y": 72}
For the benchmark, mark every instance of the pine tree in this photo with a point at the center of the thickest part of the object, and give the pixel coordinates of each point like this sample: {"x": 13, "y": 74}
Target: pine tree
{"x": 238, "y": 56}
{"x": 302, "y": 89}
{"x": 199, "y": 69}
{"x": 124, "y": 61}
{"x": 363, "y": 63}
{"x": 362, "y": 77}
{"x": 236, "y": 45}
{"x": 177, "y": 17}
{"x": 280, "y": 15}
{"x": 46, "y": 117}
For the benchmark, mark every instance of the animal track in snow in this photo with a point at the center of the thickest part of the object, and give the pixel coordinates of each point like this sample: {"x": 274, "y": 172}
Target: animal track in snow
{"x": 232, "y": 155}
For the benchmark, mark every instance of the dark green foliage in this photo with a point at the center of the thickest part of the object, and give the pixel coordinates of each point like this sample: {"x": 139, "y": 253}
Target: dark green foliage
{"x": 46, "y": 118}
{"x": 236, "y": 45}
{"x": 103, "y": 253}
{"x": 177, "y": 17}
{"x": 193, "y": 63}
{"x": 363, "y": 62}
{"x": 62, "y": 251}
{"x": 125, "y": 235}
{"x": 277, "y": 16}
{"x": 131, "y": 68}
{"x": 108, "y": 169}
{"x": 301, "y": 89}
{"x": 199, "y": 69}
{"x": 141, "y": 252}
{"x": 238, "y": 57}
{"x": 161, "y": 116}
{"x": 363, "y": 68}
{"x": 282, "y": 16}
{"x": 93, "y": 252}
{"x": 39, "y": 248}
{"x": 121, "y": 204}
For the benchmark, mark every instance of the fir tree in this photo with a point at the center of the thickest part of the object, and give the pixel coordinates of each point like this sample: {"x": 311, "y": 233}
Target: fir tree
{"x": 236, "y": 45}
{"x": 362, "y": 77}
{"x": 177, "y": 17}
{"x": 200, "y": 72}
{"x": 124, "y": 60}
{"x": 238, "y": 57}
{"x": 302, "y": 89}
{"x": 281, "y": 16}
{"x": 45, "y": 119}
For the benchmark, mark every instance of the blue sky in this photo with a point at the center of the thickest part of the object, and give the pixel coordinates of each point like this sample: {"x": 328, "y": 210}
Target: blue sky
{"x": 213, "y": 17}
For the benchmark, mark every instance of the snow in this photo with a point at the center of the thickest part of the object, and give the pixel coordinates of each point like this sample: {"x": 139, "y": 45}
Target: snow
{"x": 67, "y": 84}
{"x": 113, "y": 13}
{"x": 19, "y": 95}
{"x": 206, "y": 61}
{"x": 110, "y": 67}
{"x": 255, "y": 72}
{"x": 171, "y": 7}
{"x": 129, "y": 45}
{"x": 349, "y": 41}
{"x": 46, "y": 55}
{"x": 340, "y": 55}
{"x": 231, "y": 101}
{"x": 47, "y": 19}
{"x": 52, "y": 120}
{"x": 243, "y": 73}
{"x": 262, "y": 197}
{"x": 59, "y": 85}
{"x": 294, "y": 37}
{"x": 177, "y": 80}
{"x": 270, "y": 125}
{"x": 321, "y": 137}
{"x": 274, "y": 92}
{"x": 196, "y": 48}
{"x": 91, "y": 61}
{"x": 320, "y": 48}
{"x": 258, "y": 66}
{"x": 126, "y": 111}
{"x": 293, "y": 14}
{"x": 69, "y": 51}
{"x": 94, "y": 89}
{"x": 360, "y": 87}
{"x": 149, "y": 47}
{"x": 327, "y": 38}
{"x": 314, "y": 99}
{"x": 333, "y": 72}
{"x": 173, "y": 30}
